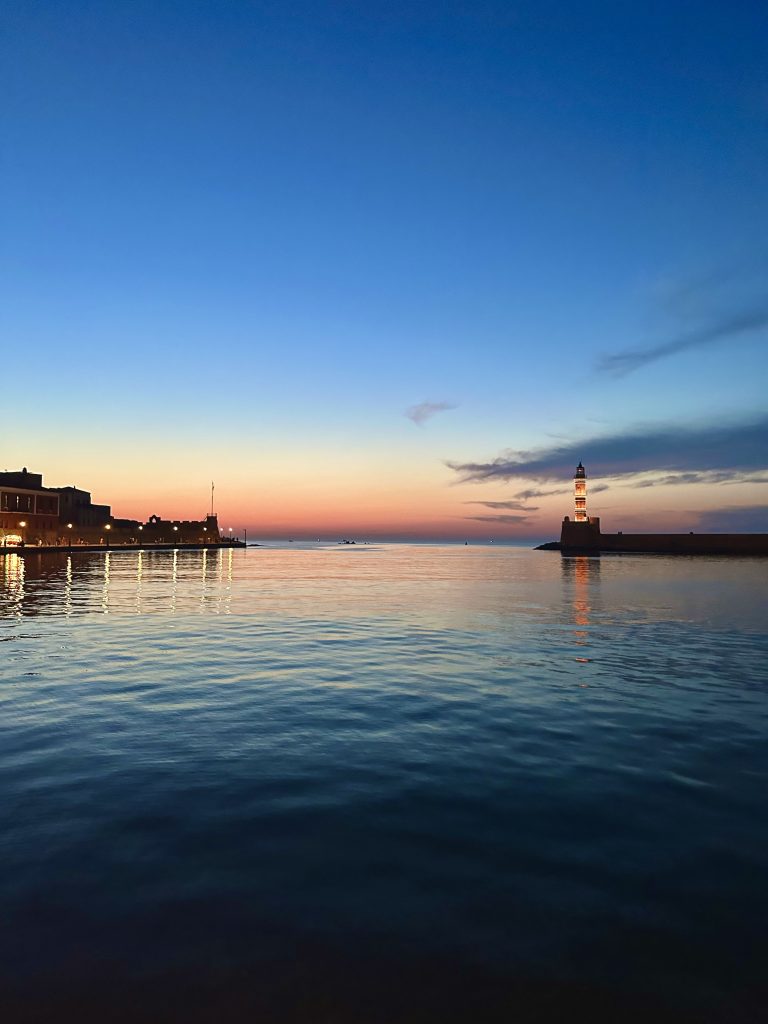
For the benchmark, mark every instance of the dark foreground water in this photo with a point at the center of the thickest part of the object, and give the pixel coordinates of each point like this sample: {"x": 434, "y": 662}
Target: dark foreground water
{"x": 383, "y": 784}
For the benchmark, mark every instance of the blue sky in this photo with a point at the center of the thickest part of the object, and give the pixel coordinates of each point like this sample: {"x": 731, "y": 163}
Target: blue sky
{"x": 268, "y": 229}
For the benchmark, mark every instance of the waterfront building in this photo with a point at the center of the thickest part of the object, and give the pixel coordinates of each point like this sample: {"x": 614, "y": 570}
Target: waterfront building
{"x": 29, "y": 512}
{"x": 76, "y": 507}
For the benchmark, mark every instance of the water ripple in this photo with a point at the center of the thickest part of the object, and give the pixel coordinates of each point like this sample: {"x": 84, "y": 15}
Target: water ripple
{"x": 505, "y": 770}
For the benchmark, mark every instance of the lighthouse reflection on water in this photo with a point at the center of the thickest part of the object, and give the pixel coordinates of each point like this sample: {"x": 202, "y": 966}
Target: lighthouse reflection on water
{"x": 581, "y": 579}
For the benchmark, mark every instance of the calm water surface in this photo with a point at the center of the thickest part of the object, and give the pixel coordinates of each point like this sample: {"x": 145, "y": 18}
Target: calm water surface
{"x": 382, "y": 783}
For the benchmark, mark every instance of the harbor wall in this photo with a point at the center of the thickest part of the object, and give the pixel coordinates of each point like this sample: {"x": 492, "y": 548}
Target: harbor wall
{"x": 587, "y": 538}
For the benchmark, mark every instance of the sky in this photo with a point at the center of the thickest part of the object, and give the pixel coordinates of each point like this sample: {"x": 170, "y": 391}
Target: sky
{"x": 388, "y": 269}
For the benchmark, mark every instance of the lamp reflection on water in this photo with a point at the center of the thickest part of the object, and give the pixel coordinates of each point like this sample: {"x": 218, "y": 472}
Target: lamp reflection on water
{"x": 116, "y": 582}
{"x": 174, "y": 577}
{"x": 139, "y": 574}
{"x": 223, "y": 603}
{"x": 68, "y": 587}
{"x": 204, "y": 580}
{"x": 13, "y": 574}
{"x": 105, "y": 588}
{"x": 228, "y": 597}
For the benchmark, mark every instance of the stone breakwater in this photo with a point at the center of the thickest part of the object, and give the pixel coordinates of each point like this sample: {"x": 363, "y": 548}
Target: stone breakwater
{"x": 586, "y": 538}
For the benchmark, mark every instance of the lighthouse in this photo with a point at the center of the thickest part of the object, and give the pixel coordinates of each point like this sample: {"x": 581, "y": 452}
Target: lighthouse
{"x": 580, "y": 494}
{"x": 580, "y": 535}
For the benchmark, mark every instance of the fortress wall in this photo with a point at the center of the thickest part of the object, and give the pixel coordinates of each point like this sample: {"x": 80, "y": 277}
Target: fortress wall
{"x": 128, "y": 532}
{"x": 583, "y": 536}
{"x": 687, "y": 543}
{"x": 586, "y": 537}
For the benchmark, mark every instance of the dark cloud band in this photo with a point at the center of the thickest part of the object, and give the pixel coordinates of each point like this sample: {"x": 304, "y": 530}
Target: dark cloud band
{"x": 732, "y": 449}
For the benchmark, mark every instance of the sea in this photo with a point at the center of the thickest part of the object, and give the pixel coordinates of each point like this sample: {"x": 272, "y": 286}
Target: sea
{"x": 383, "y": 783}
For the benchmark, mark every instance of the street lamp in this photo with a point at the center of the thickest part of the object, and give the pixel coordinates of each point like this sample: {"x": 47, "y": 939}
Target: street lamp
{"x": 69, "y": 527}
{"x": 22, "y": 524}
{"x": 108, "y": 527}
{"x": 205, "y": 539}
{"x": 230, "y": 535}
{"x": 175, "y": 529}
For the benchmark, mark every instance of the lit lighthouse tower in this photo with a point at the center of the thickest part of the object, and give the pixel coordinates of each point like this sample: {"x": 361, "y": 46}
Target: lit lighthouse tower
{"x": 580, "y": 535}
{"x": 580, "y": 493}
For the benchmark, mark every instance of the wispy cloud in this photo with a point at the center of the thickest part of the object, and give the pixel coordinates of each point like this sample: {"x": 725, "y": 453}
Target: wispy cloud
{"x": 527, "y": 495}
{"x": 516, "y": 506}
{"x": 734, "y": 449}
{"x": 426, "y": 410}
{"x": 760, "y": 478}
{"x": 504, "y": 520}
{"x": 673, "y": 479}
{"x": 725, "y": 476}
{"x": 736, "y": 518}
{"x": 731, "y": 285}
{"x": 619, "y": 364}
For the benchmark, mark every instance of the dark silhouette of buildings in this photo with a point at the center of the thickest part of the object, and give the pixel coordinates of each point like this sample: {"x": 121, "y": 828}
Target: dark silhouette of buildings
{"x": 76, "y": 507}
{"x": 34, "y": 515}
